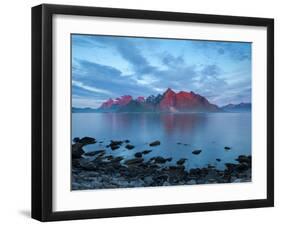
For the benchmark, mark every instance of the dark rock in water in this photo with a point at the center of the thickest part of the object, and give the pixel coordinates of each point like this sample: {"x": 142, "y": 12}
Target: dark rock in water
{"x": 196, "y": 152}
{"x": 138, "y": 155}
{"x": 146, "y": 151}
{"x": 211, "y": 166}
{"x": 77, "y": 150}
{"x": 244, "y": 159}
{"x": 230, "y": 166}
{"x": 133, "y": 161}
{"x": 109, "y": 157}
{"x": 87, "y": 140}
{"x": 114, "y": 147}
{"x": 227, "y": 148}
{"x": 159, "y": 159}
{"x": 169, "y": 159}
{"x": 218, "y": 160}
{"x": 243, "y": 166}
{"x": 179, "y": 143}
{"x": 126, "y": 141}
{"x": 181, "y": 161}
{"x": 155, "y": 143}
{"x": 93, "y": 153}
{"x": 88, "y": 165}
{"x": 129, "y": 146}
{"x": 117, "y": 159}
{"x": 173, "y": 167}
{"x": 195, "y": 171}
{"x": 76, "y": 139}
{"x": 163, "y": 177}
{"x": 116, "y": 142}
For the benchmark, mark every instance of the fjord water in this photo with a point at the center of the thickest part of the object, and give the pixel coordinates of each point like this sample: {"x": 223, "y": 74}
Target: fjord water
{"x": 179, "y": 134}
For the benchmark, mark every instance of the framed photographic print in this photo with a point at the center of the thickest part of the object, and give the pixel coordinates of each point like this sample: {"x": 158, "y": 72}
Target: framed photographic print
{"x": 145, "y": 112}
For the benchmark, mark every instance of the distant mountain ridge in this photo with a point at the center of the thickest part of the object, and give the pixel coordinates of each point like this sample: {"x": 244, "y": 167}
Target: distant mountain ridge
{"x": 242, "y": 107}
{"x": 169, "y": 101}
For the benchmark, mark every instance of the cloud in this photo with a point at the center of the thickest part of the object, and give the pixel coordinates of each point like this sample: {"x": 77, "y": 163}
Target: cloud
{"x": 237, "y": 51}
{"x": 211, "y": 70}
{"x": 90, "y": 88}
{"x": 127, "y": 50}
{"x": 212, "y": 77}
{"x": 172, "y": 61}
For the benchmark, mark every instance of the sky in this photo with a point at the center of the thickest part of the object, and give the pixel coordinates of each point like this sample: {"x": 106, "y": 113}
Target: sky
{"x": 106, "y": 67}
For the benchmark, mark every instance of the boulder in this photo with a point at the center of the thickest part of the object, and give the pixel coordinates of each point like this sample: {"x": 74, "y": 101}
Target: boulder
{"x": 146, "y": 152}
{"x": 76, "y": 139}
{"x": 129, "y": 146}
{"x": 77, "y": 150}
{"x": 138, "y": 155}
{"x": 154, "y": 143}
{"x": 114, "y": 147}
{"x": 159, "y": 159}
{"x": 181, "y": 161}
{"x": 87, "y": 140}
{"x": 94, "y": 153}
{"x": 196, "y": 152}
{"x": 116, "y": 142}
{"x": 133, "y": 161}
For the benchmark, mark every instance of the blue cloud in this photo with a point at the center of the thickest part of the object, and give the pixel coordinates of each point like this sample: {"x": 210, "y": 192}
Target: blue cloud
{"x": 221, "y": 71}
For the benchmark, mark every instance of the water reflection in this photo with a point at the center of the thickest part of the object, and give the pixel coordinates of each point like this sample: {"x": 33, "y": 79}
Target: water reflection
{"x": 209, "y": 132}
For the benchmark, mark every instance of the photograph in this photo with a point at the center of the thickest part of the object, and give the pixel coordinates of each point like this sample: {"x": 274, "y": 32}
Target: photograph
{"x": 152, "y": 111}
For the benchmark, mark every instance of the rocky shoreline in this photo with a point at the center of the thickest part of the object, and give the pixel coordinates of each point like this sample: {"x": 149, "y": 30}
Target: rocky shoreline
{"x": 99, "y": 170}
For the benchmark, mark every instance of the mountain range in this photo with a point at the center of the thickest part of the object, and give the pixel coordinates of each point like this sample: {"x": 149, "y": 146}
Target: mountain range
{"x": 169, "y": 101}
{"x": 242, "y": 107}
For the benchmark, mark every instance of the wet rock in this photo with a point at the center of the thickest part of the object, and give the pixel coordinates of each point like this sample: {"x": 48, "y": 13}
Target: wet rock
{"x": 196, "y": 152}
{"x": 129, "y": 146}
{"x": 244, "y": 159}
{"x": 243, "y": 166}
{"x": 116, "y": 142}
{"x": 154, "y": 143}
{"x": 117, "y": 159}
{"x": 87, "y": 140}
{"x": 227, "y": 148}
{"x": 77, "y": 150}
{"x": 89, "y": 165}
{"x": 133, "y": 161}
{"x": 169, "y": 159}
{"x": 179, "y": 143}
{"x": 138, "y": 155}
{"x": 158, "y": 159}
{"x": 181, "y": 161}
{"x": 146, "y": 151}
{"x": 218, "y": 159}
{"x": 114, "y": 147}
{"x": 195, "y": 171}
{"x": 230, "y": 166}
{"x": 127, "y": 141}
{"x": 94, "y": 153}
{"x": 109, "y": 157}
{"x": 76, "y": 139}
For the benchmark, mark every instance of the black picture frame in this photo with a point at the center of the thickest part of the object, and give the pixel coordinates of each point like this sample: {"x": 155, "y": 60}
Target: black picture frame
{"x": 42, "y": 111}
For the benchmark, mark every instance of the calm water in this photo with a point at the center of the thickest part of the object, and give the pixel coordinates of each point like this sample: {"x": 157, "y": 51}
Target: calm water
{"x": 208, "y": 132}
